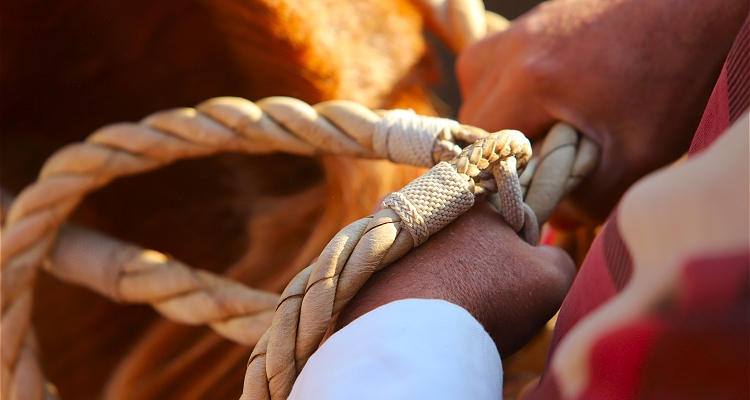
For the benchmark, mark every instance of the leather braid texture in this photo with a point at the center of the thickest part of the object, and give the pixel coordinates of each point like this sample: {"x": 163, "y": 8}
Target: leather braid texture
{"x": 431, "y": 202}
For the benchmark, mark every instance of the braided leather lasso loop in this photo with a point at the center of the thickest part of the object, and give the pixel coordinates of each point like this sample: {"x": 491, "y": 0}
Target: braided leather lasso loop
{"x": 270, "y": 125}
{"x": 237, "y": 312}
{"x": 222, "y": 124}
{"x": 138, "y": 271}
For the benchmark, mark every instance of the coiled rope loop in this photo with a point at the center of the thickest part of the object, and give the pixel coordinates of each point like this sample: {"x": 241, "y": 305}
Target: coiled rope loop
{"x": 127, "y": 273}
{"x": 222, "y": 124}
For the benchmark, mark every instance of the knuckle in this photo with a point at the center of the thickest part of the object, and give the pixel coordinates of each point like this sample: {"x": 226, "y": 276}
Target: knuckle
{"x": 557, "y": 267}
{"x": 478, "y": 58}
{"x": 537, "y": 69}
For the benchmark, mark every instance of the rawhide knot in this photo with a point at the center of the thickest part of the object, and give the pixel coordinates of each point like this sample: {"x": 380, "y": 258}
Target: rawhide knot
{"x": 433, "y": 200}
{"x": 403, "y": 136}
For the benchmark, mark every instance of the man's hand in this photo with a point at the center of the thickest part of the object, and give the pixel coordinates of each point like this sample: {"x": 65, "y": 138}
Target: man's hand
{"x": 480, "y": 264}
{"x": 632, "y": 75}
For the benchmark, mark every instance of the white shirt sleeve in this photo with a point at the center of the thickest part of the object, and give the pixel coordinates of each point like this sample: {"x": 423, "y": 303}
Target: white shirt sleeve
{"x": 407, "y": 349}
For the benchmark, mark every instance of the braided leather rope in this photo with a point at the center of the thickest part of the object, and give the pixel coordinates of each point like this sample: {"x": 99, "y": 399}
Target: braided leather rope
{"x": 408, "y": 217}
{"x": 125, "y": 272}
{"x": 177, "y": 291}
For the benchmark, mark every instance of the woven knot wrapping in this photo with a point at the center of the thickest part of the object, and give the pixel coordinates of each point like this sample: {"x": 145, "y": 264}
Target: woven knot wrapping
{"x": 404, "y": 137}
{"x": 431, "y": 202}
{"x": 509, "y": 189}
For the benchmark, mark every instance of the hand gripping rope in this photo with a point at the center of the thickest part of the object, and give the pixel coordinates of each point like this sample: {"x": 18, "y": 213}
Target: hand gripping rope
{"x": 466, "y": 162}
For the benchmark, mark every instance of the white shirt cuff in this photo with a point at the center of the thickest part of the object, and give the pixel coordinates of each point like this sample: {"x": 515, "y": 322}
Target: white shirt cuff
{"x": 407, "y": 349}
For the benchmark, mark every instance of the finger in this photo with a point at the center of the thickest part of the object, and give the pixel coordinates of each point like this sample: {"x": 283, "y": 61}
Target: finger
{"x": 475, "y": 62}
{"x": 502, "y": 107}
{"x": 506, "y": 91}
